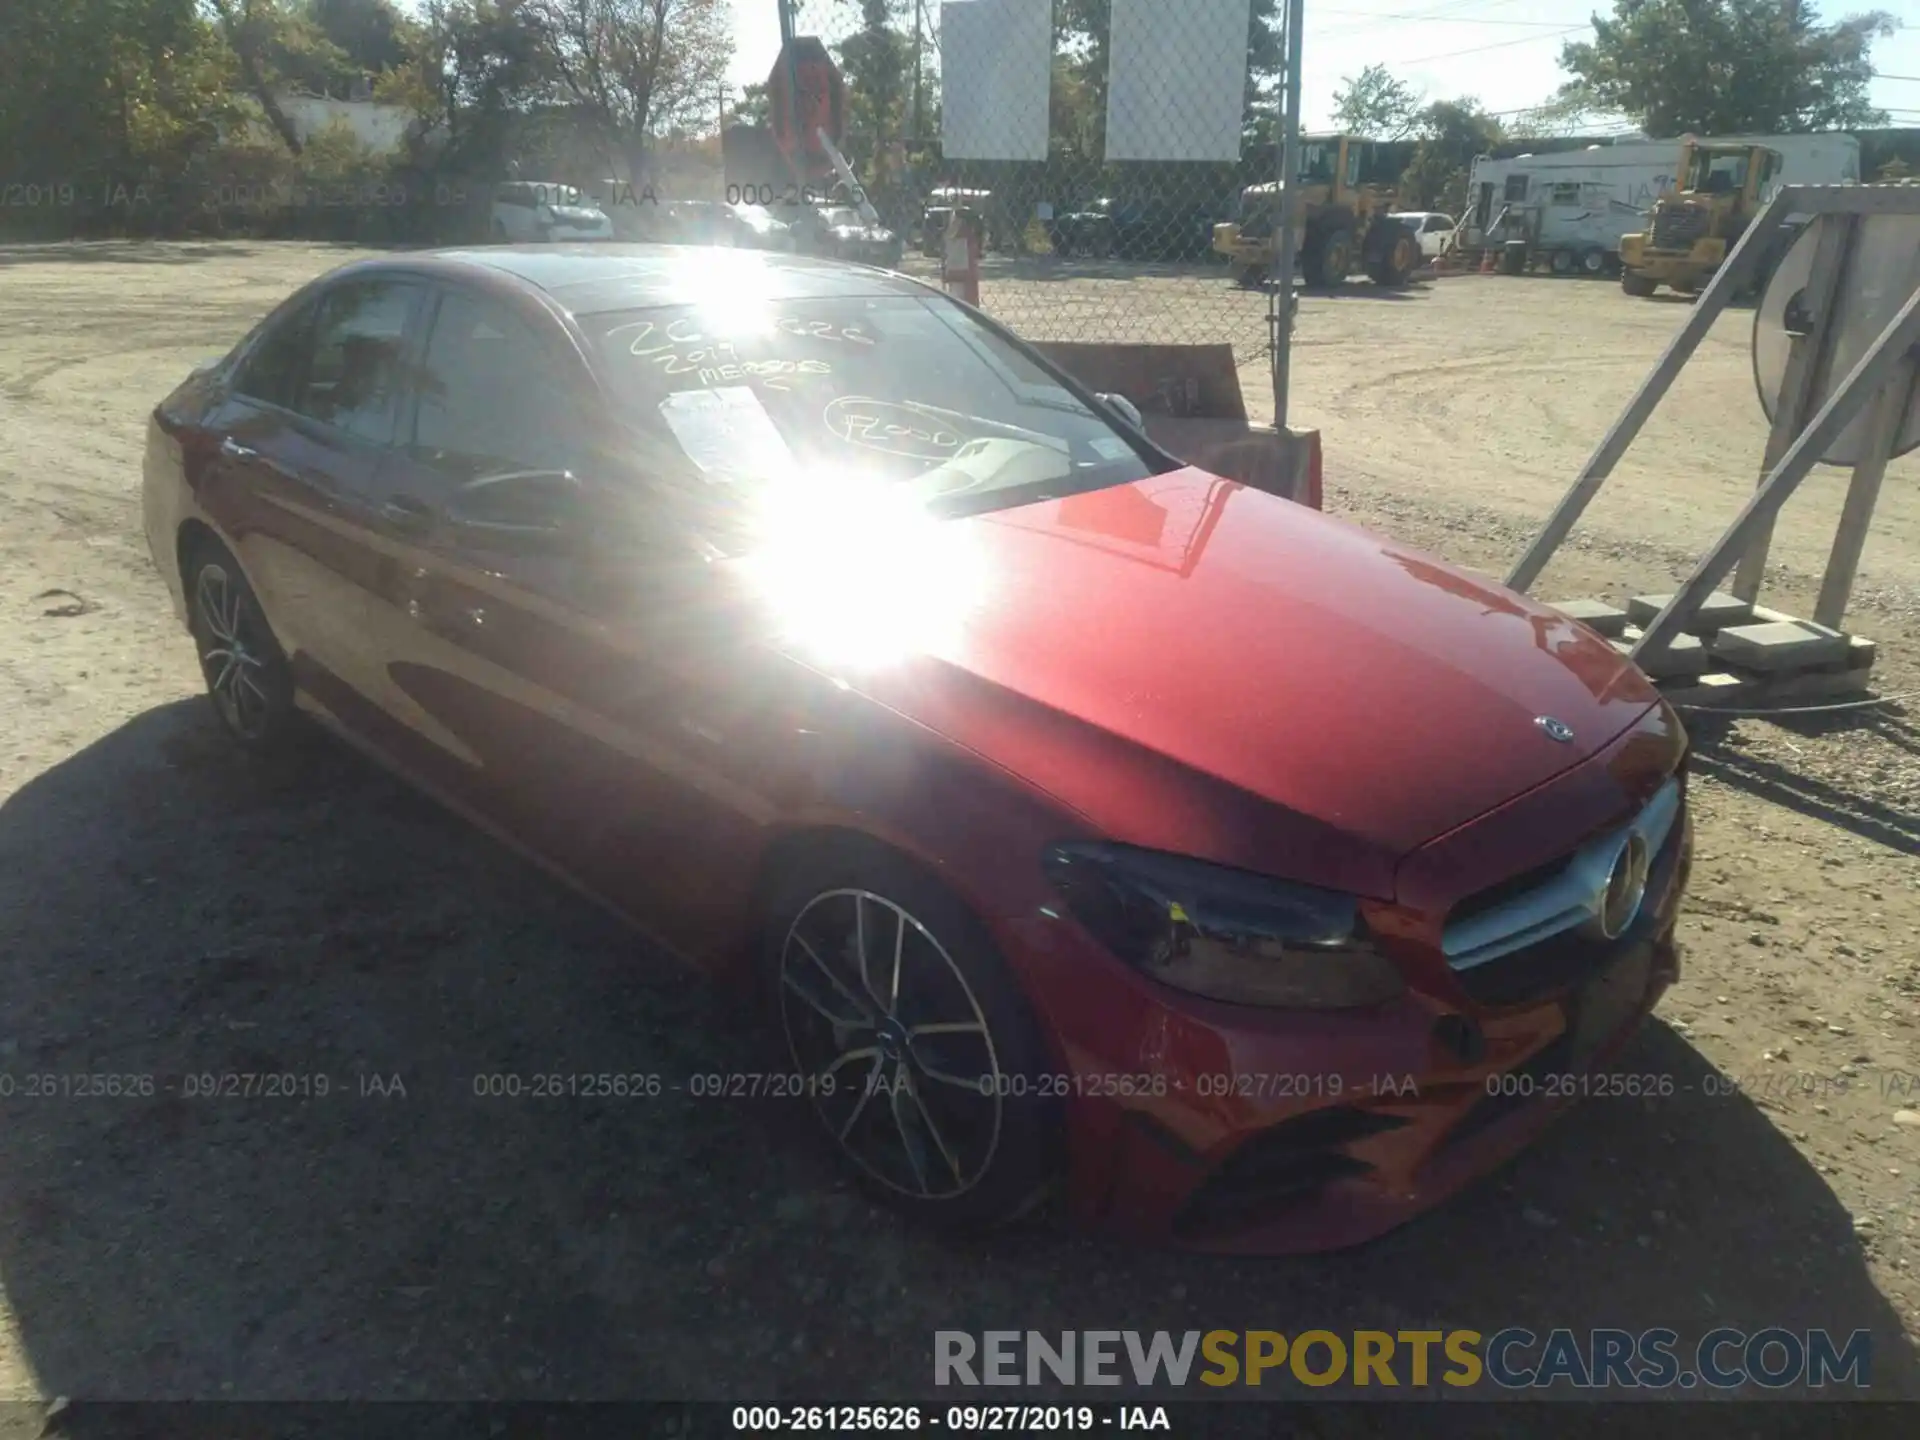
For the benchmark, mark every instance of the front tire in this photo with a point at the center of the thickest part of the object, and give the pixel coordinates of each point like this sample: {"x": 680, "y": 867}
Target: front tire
{"x": 1329, "y": 258}
{"x": 1399, "y": 257}
{"x": 884, "y": 981}
{"x": 1636, "y": 284}
{"x": 249, "y": 681}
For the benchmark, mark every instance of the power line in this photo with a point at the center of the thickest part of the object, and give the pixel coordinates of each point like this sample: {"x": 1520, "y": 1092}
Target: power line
{"x": 1439, "y": 12}
{"x": 1446, "y": 19}
{"x": 1496, "y": 45}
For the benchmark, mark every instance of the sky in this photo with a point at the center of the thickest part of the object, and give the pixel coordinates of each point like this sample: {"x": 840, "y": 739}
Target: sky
{"x": 1505, "y": 52}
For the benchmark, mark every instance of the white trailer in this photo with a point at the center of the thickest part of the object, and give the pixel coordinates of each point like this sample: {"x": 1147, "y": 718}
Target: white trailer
{"x": 1572, "y": 206}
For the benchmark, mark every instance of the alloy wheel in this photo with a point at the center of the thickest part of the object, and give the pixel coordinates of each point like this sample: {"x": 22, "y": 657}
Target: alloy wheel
{"x": 235, "y": 651}
{"x": 902, "y": 1065}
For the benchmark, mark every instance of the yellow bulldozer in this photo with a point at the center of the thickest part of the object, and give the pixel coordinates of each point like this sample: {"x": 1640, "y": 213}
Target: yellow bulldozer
{"x": 1343, "y": 218}
{"x": 1717, "y": 191}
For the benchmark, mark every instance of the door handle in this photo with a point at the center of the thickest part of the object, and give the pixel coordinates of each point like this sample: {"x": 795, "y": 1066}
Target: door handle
{"x": 406, "y": 514}
{"x": 234, "y": 450}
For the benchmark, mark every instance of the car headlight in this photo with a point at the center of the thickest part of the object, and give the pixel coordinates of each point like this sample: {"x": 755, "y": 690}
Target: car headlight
{"x": 1226, "y": 934}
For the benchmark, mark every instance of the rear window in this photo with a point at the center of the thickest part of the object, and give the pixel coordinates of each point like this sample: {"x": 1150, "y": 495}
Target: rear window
{"x": 905, "y": 390}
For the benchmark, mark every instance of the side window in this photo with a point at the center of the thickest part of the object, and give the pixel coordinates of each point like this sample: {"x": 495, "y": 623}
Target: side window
{"x": 271, "y": 371}
{"x": 492, "y": 396}
{"x": 357, "y": 358}
{"x": 1566, "y": 192}
{"x": 1516, "y": 187}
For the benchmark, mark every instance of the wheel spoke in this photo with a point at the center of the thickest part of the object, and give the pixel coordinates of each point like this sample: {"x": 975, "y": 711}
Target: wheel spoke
{"x": 899, "y": 945}
{"x": 933, "y": 1130}
{"x": 246, "y": 681}
{"x": 948, "y": 1027}
{"x": 213, "y": 585}
{"x": 947, "y": 1077}
{"x": 232, "y": 595}
{"x": 860, "y": 949}
{"x": 832, "y": 979}
{"x": 907, "y": 1144}
{"x": 866, "y": 1092}
{"x": 815, "y": 1004}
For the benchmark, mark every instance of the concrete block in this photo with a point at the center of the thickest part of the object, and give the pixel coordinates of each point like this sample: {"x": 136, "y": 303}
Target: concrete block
{"x": 1779, "y": 645}
{"x": 1687, "y": 656}
{"x": 1598, "y": 615}
{"x": 1714, "y": 688}
{"x": 1718, "y": 611}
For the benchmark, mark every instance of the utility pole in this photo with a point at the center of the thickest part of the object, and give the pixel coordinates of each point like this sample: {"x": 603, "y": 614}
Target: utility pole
{"x": 1280, "y": 299}
{"x": 919, "y": 11}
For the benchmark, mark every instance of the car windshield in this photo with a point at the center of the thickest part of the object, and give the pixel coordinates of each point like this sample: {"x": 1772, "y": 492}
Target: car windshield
{"x": 906, "y": 394}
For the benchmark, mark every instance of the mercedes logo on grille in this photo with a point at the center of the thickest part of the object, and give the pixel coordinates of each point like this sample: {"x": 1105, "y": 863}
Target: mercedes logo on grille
{"x": 1618, "y": 904}
{"x": 1555, "y": 729}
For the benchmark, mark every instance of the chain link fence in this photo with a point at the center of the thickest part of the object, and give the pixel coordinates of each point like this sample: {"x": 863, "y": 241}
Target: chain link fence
{"x": 1100, "y": 142}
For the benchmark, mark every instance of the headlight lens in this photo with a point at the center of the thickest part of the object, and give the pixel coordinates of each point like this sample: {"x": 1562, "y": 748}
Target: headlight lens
{"x": 1226, "y": 934}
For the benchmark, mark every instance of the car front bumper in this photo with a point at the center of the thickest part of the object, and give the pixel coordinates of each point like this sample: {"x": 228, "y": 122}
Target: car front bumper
{"x": 1230, "y": 1128}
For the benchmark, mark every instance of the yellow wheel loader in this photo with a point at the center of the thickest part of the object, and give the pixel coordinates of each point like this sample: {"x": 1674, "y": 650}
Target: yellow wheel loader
{"x": 1344, "y": 221}
{"x": 1717, "y": 191}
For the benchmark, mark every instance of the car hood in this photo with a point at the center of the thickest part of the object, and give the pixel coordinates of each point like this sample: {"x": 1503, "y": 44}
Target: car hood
{"x": 1235, "y": 644}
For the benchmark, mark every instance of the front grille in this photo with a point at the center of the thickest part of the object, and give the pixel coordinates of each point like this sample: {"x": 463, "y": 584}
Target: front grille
{"x": 1677, "y": 227}
{"x": 1516, "y": 941}
{"x": 1282, "y": 1167}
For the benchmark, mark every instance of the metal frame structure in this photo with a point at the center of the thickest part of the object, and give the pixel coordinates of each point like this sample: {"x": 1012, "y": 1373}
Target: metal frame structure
{"x": 1808, "y": 418}
{"x": 1280, "y": 306}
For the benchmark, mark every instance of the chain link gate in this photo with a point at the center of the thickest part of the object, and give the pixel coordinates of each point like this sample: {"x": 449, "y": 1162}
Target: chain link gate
{"x": 1081, "y": 247}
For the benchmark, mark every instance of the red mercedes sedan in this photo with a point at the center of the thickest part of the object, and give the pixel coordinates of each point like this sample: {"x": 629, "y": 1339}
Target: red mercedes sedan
{"x": 1084, "y": 819}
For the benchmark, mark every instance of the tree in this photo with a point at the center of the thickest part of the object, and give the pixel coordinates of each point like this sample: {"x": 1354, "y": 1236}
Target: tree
{"x": 371, "y": 34}
{"x": 629, "y": 68}
{"x": 278, "y": 47}
{"x": 754, "y": 107}
{"x": 877, "y": 61}
{"x": 108, "y": 90}
{"x": 1375, "y": 104}
{"x": 1730, "y": 66}
{"x": 475, "y": 66}
{"x": 1452, "y": 133}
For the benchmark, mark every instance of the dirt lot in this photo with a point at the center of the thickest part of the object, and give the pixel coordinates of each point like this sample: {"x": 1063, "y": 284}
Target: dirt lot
{"x": 166, "y": 910}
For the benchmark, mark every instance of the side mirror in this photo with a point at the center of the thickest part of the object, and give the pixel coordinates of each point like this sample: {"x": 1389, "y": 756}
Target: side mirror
{"x": 1124, "y": 408}
{"x": 540, "y": 512}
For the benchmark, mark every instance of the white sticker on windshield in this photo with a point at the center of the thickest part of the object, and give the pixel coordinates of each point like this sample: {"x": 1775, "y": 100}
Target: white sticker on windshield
{"x": 727, "y": 433}
{"x": 1111, "y": 447}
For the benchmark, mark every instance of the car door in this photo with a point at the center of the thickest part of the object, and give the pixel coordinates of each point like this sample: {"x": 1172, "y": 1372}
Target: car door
{"x": 567, "y": 655}
{"x": 504, "y": 648}
{"x": 303, "y": 433}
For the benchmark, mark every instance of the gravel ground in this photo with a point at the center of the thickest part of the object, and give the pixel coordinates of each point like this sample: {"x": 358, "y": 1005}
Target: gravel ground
{"x": 167, "y": 910}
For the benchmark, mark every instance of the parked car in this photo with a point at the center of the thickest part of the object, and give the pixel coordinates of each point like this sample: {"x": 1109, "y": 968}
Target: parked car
{"x": 823, "y": 627}
{"x": 1430, "y": 228}
{"x": 527, "y": 211}
{"x": 1136, "y": 230}
{"x": 841, "y": 232}
{"x": 711, "y": 222}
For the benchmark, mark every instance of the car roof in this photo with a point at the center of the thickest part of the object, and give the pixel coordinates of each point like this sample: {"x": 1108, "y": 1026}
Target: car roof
{"x": 588, "y": 279}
